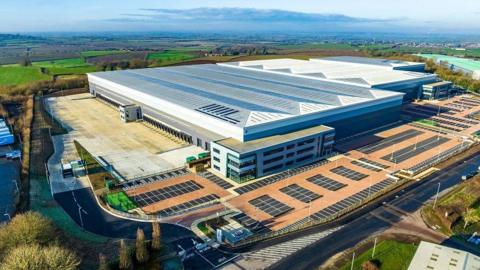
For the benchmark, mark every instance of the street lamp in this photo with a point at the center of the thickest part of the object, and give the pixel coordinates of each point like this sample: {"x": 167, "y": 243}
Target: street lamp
{"x": 436, "y": 196}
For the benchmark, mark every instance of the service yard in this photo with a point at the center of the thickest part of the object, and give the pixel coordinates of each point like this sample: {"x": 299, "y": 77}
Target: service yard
{"x": 133, "y": 149}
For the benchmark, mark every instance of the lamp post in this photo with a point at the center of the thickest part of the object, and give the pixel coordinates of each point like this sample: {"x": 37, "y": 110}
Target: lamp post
{"x": 353, "y": 259}
{"x": 436, "y": 196}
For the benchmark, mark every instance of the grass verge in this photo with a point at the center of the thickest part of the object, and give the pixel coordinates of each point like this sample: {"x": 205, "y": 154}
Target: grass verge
{"x": 96, "y": 173}
{"x": 390, "y": 255}
{"x": 171, "y": 56}
{"x": 13, "y": 75}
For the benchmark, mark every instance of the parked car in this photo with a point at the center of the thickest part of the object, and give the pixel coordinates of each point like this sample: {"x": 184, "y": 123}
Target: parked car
{"x": 15, "y": 154}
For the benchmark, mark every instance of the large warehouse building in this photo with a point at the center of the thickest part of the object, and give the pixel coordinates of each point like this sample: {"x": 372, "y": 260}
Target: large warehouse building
{"x": 254, "y": 122}
{"x": 382, "y": 74}
{"x": 465, "y": 65}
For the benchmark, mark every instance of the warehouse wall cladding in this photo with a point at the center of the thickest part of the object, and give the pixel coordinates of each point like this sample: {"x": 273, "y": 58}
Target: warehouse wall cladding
{"x": 265, "y": 116}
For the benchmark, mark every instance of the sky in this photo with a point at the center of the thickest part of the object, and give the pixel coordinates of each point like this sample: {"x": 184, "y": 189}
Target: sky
{"x": 18, "y": 16}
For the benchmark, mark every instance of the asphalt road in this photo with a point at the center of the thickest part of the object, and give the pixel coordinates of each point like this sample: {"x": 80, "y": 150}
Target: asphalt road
{"x": 362, "y": 227}
{"x": 82, "y": 207}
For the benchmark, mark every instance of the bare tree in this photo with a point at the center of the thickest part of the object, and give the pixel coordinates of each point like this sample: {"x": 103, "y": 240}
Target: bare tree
{"x": 141, "y": 252}
{"x": 156, "y": 236}
{"x": 103, "y": 262}
{"x": 125, "y": 261}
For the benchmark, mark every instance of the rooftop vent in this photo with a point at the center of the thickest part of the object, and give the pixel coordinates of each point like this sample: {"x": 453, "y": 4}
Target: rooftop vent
{"x": 219, "y": 111}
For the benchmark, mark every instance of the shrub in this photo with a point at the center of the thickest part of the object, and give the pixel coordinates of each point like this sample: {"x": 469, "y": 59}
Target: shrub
{"x": 33, "y": 257}
{"x": 26, "y": 229}
{"x": 24, "y": 257}
{"x": 371, "y": 265}
{"x": 60, "y": 258}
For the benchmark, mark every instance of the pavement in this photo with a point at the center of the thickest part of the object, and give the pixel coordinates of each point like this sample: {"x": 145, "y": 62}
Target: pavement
{"x": 64, "y": 149}
{"x": 133, "y": 149}
{"x": 381, "y": 219}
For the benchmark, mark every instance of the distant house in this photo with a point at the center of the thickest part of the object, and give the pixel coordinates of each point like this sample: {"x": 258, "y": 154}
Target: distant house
{"x": 431, "y": 256}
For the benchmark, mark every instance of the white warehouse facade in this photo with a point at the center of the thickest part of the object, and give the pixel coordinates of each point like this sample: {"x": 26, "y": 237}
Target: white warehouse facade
{"x": 254, "y": 122}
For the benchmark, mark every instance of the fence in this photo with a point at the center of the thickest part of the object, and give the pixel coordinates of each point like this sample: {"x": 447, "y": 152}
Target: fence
{"x": 439, "y": 158}
{"x": 308, "y": 222}
{"x": 140, "y": 177}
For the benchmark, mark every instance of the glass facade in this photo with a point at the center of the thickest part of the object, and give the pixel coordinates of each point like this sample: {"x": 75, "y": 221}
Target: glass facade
{"x": 243, "y": 169}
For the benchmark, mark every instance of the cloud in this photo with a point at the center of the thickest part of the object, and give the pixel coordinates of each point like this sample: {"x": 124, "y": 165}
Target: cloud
{"x": 246, "y": 19}
{"x": 243, "y": 15}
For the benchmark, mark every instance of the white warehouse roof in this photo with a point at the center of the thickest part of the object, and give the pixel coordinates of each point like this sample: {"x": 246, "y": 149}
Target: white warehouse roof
{"x": 437, "y": 257}
{"x": 362, "y": 74}
{"x": 234, "y": 98}
{"x": 389, "y": 63}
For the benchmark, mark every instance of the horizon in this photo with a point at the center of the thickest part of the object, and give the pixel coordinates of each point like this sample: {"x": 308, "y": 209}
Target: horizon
{"x": 238, "y": 16}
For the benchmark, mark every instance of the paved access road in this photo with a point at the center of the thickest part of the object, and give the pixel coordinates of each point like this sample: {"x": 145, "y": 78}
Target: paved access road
{"x": 81, "y": 205}
{"x": 83, "y": 208}
{"x": 411, "y": 199}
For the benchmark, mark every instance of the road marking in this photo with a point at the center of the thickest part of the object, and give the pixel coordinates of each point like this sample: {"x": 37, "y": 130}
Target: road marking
{"x": 396, "y": 209}
{"x": 378, "y": 216}
{"x": 277, "y": 252}
{"x": 205, "y": 259}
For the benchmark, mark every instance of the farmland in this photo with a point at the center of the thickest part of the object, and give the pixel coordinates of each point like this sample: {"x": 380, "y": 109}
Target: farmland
{"x": 171, "y": 56}
{"x": 66, "y": 66}
{"x": 102, "y": 53}
{"x": 13, "y": 75}
{"x": 52, "y": 57}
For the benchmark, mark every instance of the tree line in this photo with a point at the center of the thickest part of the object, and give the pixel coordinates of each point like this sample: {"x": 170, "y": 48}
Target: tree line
{"x": 58, "y": 84}
{"x": 458, "y": 78}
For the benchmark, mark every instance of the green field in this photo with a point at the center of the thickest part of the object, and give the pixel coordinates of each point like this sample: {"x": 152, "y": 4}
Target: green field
{"x": 71, "y": 70}
{"x": 318, "y": 46}
{"x": 13, "y": 75}
{"x": 460, "y": 198}
{"x": 101, "y": 53}
{"x": 120, "y": 201}
{"x": 68, "y": 62}
{"x": 391, "y": 254}
{"x": 171, "y": 56}
{"x": 66, "y": 66}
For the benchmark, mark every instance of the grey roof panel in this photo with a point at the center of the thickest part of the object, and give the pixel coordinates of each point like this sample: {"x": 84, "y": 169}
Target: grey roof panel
{"x": 239, "y": 96}
{"x": 370, "y": 61}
